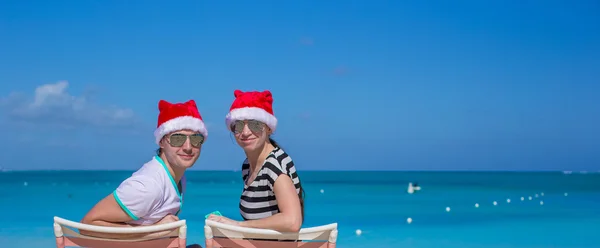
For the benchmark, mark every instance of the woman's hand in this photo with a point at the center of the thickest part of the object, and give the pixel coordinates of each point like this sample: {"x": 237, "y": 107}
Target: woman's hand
{"x": 223, "y": 219}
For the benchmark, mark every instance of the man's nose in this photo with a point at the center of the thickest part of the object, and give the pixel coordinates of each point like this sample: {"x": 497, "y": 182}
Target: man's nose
{"x": 187, "y": 146}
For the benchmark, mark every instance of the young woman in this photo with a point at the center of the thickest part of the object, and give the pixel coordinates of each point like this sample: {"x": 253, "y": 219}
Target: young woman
{"x": 154, "y": 193}
{"x": 272, "y": 197}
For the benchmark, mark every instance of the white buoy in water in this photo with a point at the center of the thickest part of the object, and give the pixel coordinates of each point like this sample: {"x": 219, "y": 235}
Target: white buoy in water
{"x": 411, "y": 188}
{"x": 358, "y": 232}
{"x": 541, "y": 202}
{"x": 25, "y": 183}
{"x": 447, "y": 209}
{"x": 530, "y": 198}
{"x": 522, "y": 198}
{"x": 409, "y": 220}
{"x": 566, "y": 194}
{"x": 322, "y": 191}
{"x": 495, "y": 203}
{"x": 508, "y": 200}
{"x": 476, "y": 205}
{"x": 536, "y": 195}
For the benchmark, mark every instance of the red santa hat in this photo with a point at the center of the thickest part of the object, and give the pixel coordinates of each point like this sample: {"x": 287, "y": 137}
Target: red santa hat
{"x": 178, "y": 116}
{"x": 252, "y": 105}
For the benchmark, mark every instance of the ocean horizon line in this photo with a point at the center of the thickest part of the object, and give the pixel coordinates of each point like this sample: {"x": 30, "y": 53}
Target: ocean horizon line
{"x": 322, "y": 170}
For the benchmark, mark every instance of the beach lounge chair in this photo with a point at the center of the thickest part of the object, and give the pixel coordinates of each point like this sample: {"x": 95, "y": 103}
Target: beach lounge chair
{"x": 67, "y": 237}
{"x": 219, "y": 235}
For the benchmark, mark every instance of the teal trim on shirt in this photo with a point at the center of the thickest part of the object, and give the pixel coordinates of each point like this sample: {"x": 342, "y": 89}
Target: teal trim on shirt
{"x": 172, "y": 181}
{"x": 124, "y": 207}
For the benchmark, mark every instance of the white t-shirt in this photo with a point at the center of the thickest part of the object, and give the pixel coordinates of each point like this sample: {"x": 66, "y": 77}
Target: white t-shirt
{"x": 150, "y": 193}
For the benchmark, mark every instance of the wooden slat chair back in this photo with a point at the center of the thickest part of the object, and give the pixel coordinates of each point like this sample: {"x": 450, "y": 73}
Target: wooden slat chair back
{"x": 66, "y": 236}
{"x": 219, "y": 235}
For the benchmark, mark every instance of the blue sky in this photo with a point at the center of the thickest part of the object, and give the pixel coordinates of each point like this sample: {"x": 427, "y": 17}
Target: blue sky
{"x": 358, "y": 85}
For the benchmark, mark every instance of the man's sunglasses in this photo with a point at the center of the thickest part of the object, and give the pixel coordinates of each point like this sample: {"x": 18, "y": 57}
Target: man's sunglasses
{"x": 254, "y": 126}
{"x": 178, "y": 139}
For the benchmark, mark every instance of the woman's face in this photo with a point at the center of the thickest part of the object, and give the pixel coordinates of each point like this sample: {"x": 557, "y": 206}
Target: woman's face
{"x": 251, "y": 135}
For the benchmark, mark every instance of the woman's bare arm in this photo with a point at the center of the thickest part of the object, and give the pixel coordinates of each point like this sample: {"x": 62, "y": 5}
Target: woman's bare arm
{"x": 289, "y": 218}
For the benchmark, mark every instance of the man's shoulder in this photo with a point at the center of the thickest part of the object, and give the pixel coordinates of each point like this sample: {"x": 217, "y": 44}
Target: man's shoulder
{"x": 151, "y": 169}
{"x": 146, "y": 178}
{"x": 141, "y": 193}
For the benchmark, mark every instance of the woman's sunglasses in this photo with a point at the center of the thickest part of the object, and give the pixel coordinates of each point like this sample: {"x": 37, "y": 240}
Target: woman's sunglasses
{"x": 178, "y": 139}
{"x": 254, "y": 126}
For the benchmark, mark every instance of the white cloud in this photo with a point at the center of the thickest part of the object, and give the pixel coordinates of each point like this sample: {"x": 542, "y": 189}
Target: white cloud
{"x": 52, "y": 105}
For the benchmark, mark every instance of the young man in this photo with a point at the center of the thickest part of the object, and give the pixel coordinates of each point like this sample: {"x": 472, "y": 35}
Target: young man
{"x": 154, "y": 193}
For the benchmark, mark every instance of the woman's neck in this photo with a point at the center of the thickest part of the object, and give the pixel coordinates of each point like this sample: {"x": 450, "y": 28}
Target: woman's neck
{"x": 256, "y": 158}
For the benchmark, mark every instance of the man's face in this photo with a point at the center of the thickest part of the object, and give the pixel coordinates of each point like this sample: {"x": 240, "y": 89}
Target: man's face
{"x": 182, "y": 148}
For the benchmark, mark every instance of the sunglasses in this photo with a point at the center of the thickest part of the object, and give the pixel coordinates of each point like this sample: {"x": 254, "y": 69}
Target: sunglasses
{"x": 254, "y": 126}
{"x": 178, "y": 139}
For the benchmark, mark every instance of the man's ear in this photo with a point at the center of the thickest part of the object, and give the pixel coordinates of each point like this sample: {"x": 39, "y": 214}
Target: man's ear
{"x": 162, "y": 142}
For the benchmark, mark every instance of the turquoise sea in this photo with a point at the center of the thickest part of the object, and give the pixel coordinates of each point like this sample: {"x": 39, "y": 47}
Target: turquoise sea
{"x": 374, "y": 202}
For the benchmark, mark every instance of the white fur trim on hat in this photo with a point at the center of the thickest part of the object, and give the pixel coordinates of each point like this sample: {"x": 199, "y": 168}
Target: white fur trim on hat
{"x": 251, "y": 113}
{"x": 180, "y": 123}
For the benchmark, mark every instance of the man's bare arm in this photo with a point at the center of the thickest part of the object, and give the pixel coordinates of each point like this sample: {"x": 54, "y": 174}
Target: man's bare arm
{"x": 107, "y": 212}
